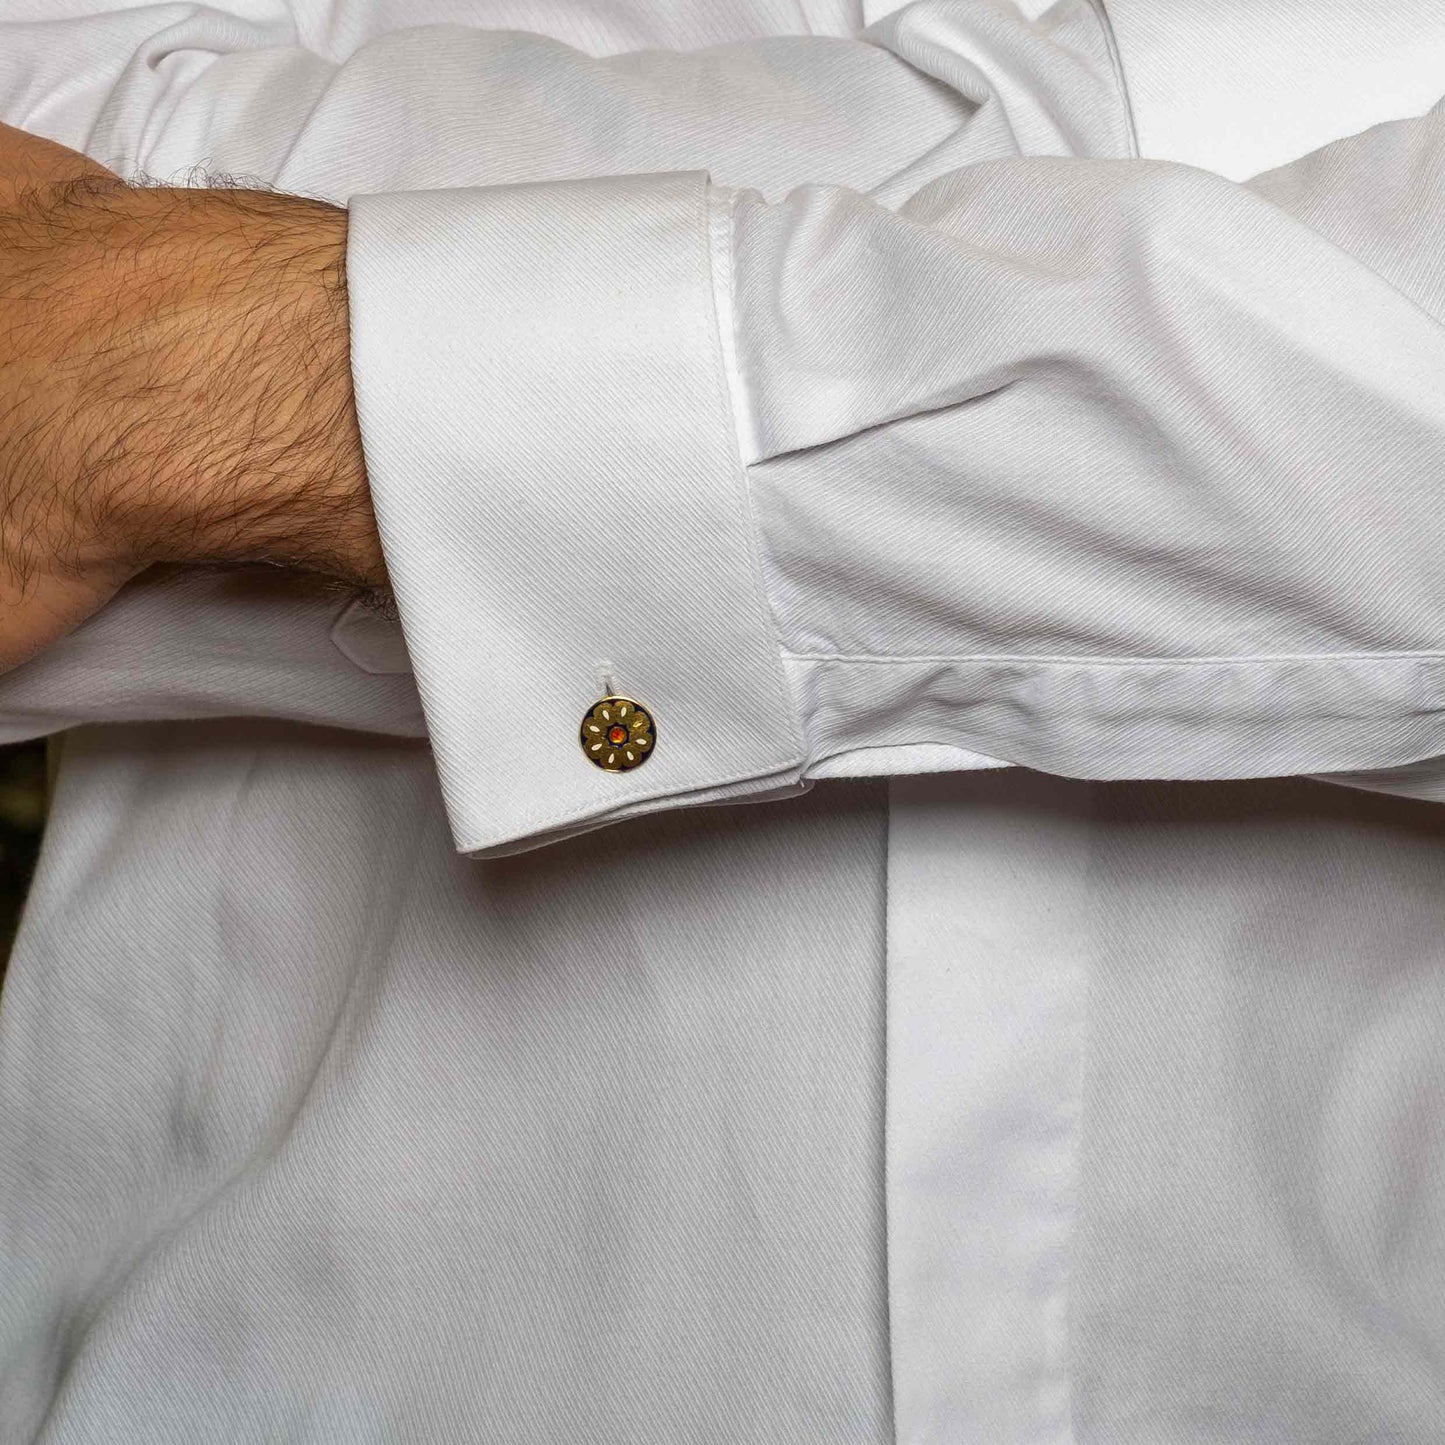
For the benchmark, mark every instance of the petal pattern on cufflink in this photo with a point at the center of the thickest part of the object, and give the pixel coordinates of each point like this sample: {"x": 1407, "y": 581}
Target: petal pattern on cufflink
{"x": 618, "y": 734}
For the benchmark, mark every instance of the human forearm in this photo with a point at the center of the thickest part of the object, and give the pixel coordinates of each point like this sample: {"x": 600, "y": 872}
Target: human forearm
{"x": 175, "y": 387}
{"x": 238, "y": 385}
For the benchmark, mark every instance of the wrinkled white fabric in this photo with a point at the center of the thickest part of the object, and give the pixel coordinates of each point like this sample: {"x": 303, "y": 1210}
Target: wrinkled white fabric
{"x": 876, "y": 389}
{"x": 1122, "y": 532}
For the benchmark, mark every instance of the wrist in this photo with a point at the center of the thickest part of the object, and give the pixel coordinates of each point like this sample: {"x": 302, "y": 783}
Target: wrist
{"x": 175, "y": 386}
{"x": 241, "y": 354}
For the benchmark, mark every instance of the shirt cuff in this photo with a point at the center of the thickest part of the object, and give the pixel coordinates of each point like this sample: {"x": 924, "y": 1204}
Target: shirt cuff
{"x": 553, "y": 461}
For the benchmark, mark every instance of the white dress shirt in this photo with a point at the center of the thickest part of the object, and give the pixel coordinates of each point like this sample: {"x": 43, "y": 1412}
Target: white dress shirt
{"x": 939, "y": 416}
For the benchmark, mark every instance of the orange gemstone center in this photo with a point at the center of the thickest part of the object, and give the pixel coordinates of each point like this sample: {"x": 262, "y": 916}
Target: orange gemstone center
{"x": 616, "y": 735}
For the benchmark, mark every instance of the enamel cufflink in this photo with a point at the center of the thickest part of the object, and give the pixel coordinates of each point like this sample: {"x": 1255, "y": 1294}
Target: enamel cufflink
{"x": 618, "y": 734}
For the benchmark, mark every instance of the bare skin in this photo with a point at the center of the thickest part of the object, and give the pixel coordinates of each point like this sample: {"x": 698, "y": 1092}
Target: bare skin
{"x": 175, "y": 387}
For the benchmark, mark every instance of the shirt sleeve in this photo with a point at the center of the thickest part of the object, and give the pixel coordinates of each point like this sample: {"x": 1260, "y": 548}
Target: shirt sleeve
{"x": 330, "y": 99}
{"x": 1107, "y": 468}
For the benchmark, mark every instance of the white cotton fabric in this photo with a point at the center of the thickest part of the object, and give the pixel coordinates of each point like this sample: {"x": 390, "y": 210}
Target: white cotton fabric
{"x": 936, "y": 389}
{"x": 662, "y": 580}
{"x": 1019, "y": 317}
{"x": 315, "y": 1131}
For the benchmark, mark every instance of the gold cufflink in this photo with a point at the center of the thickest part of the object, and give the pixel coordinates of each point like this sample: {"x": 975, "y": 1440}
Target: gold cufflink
{"x": 618, "y": 734}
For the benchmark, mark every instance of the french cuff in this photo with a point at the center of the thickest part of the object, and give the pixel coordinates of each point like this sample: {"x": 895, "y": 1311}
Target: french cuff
{"x": 553, "y": 460}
